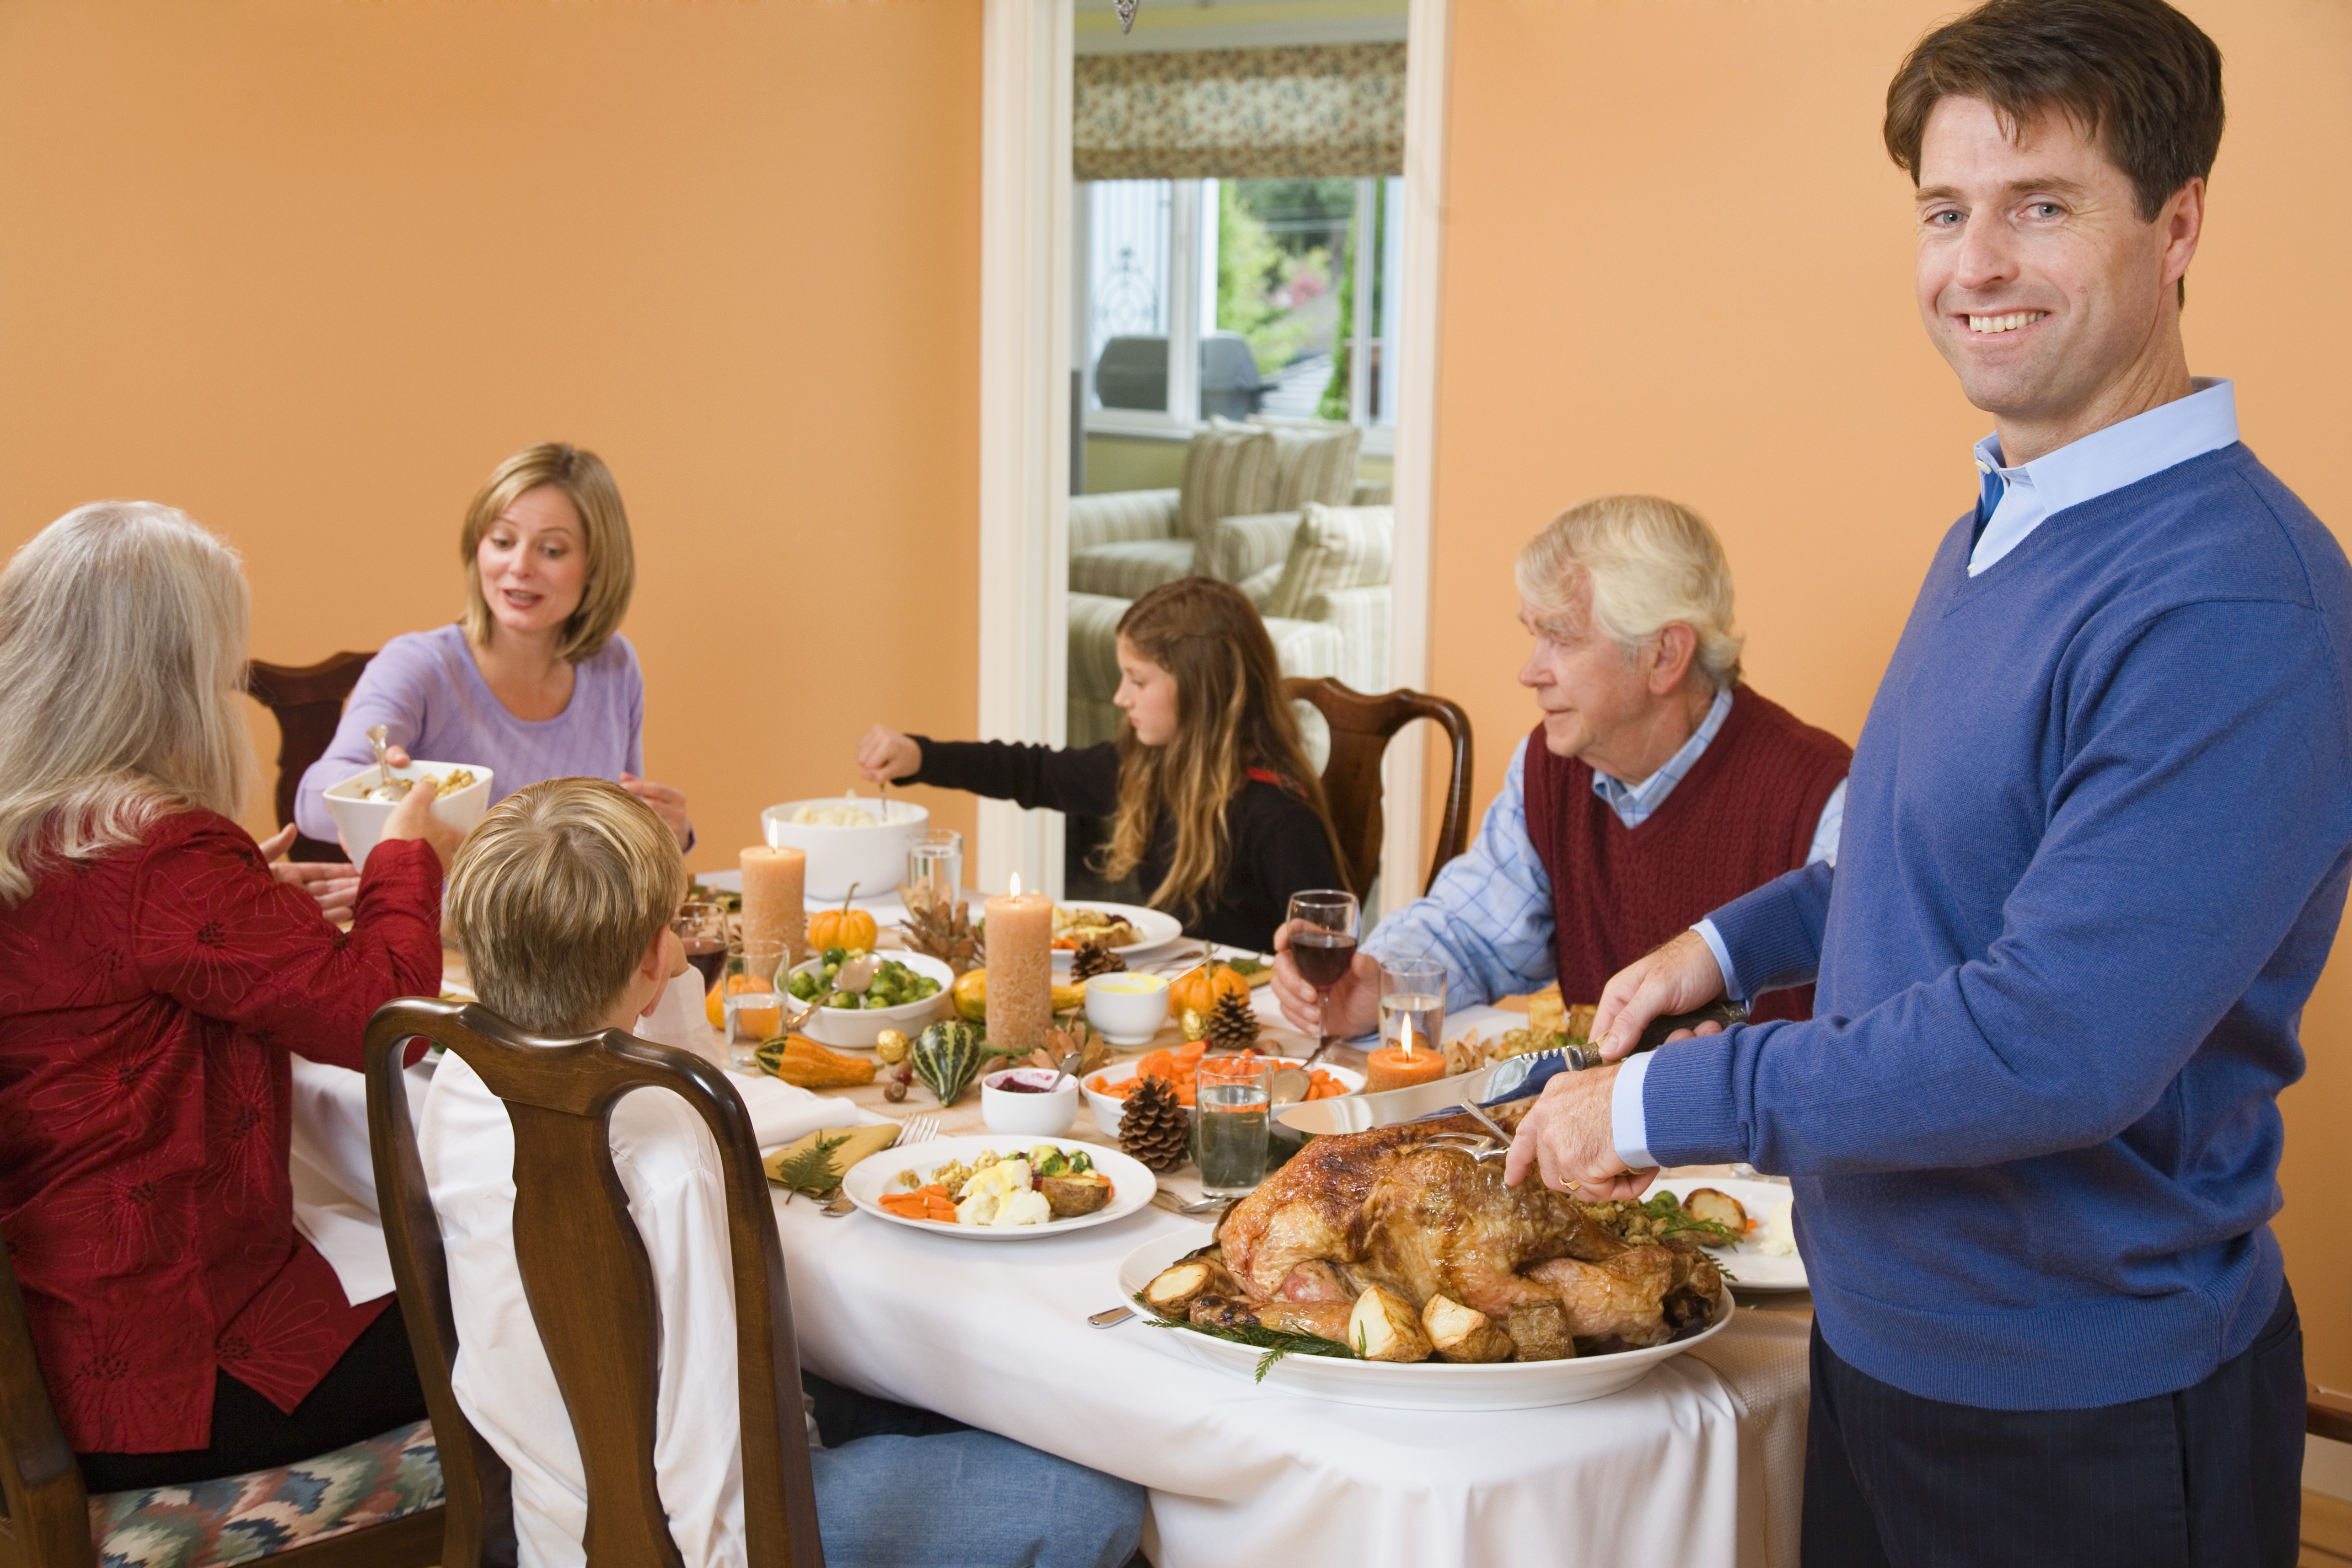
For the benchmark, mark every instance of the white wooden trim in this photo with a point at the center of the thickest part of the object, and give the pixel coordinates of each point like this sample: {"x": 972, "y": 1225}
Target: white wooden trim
{"x": 1428, "y": 45}
{"x": 1024, "y": 416}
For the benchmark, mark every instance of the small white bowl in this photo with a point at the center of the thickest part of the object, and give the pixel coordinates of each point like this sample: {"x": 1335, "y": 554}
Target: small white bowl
{"x": 1109, "y": 1107}
{"x": 872, "y": 856}
{"x": 1016, "y": 1114}
{"x": 361, "y": 821}
{"x": 856, "y": 1028}
{"x": 1128, "y": 1008}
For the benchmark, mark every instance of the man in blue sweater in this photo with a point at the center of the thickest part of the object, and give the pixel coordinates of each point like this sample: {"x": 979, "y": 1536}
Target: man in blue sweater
{"x": 2096, "y": 850}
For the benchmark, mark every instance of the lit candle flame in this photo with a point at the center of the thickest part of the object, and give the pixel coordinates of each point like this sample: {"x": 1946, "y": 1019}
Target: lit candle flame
{"x": 1408, "y": 1036}
{"x": 1016, "y": 885}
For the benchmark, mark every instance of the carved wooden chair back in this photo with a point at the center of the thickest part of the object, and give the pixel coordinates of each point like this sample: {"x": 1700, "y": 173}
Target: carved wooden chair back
{"x": 591, "y": 1289}
{"x": 47, "y": 1521}
{"x": 307, "y": 700}
{"x": 1361, "y": 728}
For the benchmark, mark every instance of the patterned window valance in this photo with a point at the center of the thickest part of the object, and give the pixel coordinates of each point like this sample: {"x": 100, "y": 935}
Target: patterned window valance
{"x": 1322, "y": 112}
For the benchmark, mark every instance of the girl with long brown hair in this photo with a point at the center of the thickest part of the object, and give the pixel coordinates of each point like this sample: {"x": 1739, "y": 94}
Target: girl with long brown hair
{"x": 1211, "y": 796}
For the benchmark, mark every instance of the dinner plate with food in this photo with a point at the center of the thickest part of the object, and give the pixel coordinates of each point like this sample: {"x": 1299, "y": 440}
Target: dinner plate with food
{"x": 1393, "y": 1268}
{"x": 1763, "y": 1257}
{"x": 1000, "y": 1188}
{"x": 1129, "y": 931}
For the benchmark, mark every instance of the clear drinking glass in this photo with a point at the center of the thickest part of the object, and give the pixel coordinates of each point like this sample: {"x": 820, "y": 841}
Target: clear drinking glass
{"x": 753, "y": 1014}
{"x": 936, "y": 861}
{"x": 1412, "y": 991}
{"x": 1325, "y": 949}
{"x": 1231, "y": 1097}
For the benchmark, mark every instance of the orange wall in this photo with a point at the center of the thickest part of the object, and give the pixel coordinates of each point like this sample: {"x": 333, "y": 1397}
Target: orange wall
{"x": 1678, "y": 260}
{"x": 310, "y": 270}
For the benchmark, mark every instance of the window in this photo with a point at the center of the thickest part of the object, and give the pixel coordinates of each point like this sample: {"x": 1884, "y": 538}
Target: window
{"x": 1277, "y": 295}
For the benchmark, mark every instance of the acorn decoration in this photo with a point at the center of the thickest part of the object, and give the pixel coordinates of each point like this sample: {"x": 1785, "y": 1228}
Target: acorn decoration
{"x": 1153, "y": 1127}
{"x": 1231, "y": 1025}
{"x": 1094, "y": 957}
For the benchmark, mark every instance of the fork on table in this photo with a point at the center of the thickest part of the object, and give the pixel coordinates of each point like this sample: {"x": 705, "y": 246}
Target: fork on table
{"x": 914, "y": 1130}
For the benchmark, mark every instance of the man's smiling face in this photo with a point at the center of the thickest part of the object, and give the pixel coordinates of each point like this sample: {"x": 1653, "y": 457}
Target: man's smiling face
{"x": 2037, "y": 279}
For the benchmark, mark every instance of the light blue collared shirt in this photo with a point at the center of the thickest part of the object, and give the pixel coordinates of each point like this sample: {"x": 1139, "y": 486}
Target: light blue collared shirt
{"x": 1489, "y": 916}
{"x": 2100, "y": 463}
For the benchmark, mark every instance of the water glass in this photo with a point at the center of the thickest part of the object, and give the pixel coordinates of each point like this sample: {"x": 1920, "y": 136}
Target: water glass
{"x": 936, "y": 861}
{"x": 752, "y": 1012}
{"x": 1413, "y": 994}
{"x": 1232, "y": 1100}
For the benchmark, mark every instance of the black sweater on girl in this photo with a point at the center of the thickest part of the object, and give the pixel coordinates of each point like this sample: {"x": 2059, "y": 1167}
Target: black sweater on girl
{"x": 1275, "y": 843}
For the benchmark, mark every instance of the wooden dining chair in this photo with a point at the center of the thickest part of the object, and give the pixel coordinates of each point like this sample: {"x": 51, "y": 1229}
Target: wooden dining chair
{"x": 2327, "y": 1413}
{"x": 591, "y": 1289}
{"x": 307, "y": 700}
{"x": 1361, "y": 728}
{"x": 373, "y": 1505}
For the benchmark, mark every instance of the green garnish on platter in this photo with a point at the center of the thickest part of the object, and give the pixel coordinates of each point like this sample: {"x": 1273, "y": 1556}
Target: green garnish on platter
{"x": 1275, "y": 1342}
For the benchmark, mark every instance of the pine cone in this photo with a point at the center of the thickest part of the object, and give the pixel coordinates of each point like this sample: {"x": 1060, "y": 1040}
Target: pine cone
{"x": 1092, "y": 959}
{"x": 1231, "y": 1024}
{"x": 1153, "y": 1127}
{"x": 941, "y": 927}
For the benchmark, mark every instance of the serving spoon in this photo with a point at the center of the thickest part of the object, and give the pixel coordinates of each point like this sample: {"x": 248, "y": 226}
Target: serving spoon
{"x": 392, "y": 788}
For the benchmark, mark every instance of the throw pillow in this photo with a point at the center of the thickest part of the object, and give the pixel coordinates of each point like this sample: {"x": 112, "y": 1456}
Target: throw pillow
{"x": 1228, "y": 469}
{"x": 1335, "y": 547}
{"x": 1315, "y": 464}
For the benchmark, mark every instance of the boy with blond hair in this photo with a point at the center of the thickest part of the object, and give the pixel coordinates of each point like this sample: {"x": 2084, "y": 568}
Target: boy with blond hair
{"x": 560, "y": 901}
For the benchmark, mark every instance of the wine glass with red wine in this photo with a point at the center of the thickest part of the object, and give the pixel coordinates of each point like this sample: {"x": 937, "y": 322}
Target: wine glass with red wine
{"x": 1323, "y": 946}
{"x": 701, "y": 930}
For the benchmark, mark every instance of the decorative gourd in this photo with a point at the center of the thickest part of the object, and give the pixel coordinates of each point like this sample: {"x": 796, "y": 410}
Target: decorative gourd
{"x": 946, "y": 1058}
{"x": 972, "y": 996}
{"x": 1198, "y": 989}
{"x": 843, "y": 928}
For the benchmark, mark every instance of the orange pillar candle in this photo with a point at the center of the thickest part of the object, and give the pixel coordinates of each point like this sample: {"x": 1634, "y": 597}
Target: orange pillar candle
{"x": 1020, "y": 968}
{"x": 1400, "y": 1065}
{"x": 772, "y": 910}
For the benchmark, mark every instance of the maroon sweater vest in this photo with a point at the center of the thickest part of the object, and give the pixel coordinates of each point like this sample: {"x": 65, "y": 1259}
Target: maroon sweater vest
{"x": 1743, "y": 815}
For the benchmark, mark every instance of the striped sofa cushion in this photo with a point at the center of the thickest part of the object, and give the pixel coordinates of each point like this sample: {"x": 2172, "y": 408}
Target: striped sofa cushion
{"x": 1228, "y": 469}
{"x": 243, "y": 1519}
{"x": 1316, "y": 466}
{"x": 1133, "y": 569}
{"x": 1335, "y": 548}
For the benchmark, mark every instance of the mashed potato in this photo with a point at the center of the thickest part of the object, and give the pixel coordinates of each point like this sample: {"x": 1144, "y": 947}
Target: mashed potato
{"x": 1776, "y": 1235}
{"x": 833, "y": 816}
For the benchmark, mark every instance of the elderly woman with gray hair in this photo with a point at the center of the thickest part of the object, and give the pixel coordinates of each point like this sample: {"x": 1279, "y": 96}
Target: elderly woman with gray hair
{"x": 155, "y": 977}
{"x": 1655, "y": 787}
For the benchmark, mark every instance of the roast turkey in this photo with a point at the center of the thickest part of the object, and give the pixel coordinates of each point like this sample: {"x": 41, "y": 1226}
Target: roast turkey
{"x": 1389, "y": 1208}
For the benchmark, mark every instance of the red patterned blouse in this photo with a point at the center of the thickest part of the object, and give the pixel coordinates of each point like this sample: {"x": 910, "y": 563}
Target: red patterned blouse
{"x": 148, "y": 1000}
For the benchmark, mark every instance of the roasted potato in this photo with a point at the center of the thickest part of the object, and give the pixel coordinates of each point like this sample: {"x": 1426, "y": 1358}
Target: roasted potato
{"x": 1539, "y": 1332}
{"x": 1070, "y": 1196}
{"x": 1384, "y": 1326}
{"x": 1463, "y": 1333}
{"x": 1705, "y": 1203}
{"x": 1175, "y": 1287}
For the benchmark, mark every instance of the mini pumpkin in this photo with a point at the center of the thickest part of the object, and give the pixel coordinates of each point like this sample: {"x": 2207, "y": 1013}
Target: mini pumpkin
{"x": 1198, "y": 989}
{"x": 844, "y": 926}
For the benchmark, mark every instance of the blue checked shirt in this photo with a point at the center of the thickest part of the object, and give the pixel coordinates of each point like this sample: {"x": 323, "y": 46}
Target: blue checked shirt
{"x": 1489, "y": 918}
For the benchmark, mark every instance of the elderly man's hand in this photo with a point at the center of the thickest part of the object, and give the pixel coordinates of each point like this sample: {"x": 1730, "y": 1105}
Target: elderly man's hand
{"x": 1677, "y": 976}
{"x": 1568, "y": 1137}
{"x": 1354, "y": 1004}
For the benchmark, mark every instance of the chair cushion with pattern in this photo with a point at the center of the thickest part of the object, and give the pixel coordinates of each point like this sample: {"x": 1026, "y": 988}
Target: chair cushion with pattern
{"x": 243, "y": 1519}
{"x": 1335, "y": 548}
{"x": 1316, "y": 463}
{"x": 1228, "y": 469}
{"x": 1132, "y": 570}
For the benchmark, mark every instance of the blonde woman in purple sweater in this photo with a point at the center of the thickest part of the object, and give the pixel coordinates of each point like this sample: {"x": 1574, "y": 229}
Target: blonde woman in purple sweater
{"x": 536, "y": 680}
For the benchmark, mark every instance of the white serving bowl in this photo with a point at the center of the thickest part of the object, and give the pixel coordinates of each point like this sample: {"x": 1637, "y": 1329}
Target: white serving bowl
{"x": 855, "y": 1028}
{"x": 1109, "y": 1107}
{"x": 871, "y": 857}
{"x": 361, "y": 821}
{"x": 1127, "y": 1007}
{"x": 1015, "y": 1114}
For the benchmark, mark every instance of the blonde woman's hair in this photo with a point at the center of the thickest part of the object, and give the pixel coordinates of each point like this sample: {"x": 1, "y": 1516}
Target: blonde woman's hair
{"x": 1650, "y": 562}
{"x": 123, "y": 638}
{"x": 554, "y": 897}
{"x": 588, "y": 484}
{"x": 1231, "y": 716}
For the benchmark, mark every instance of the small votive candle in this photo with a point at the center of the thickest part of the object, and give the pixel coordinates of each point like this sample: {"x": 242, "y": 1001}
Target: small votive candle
{"x": 1400, "y": 1065}
{"x": 773, "y": 907}
{"x": 1020, "y": 968}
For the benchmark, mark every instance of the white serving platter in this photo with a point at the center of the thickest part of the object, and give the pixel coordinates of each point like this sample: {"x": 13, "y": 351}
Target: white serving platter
{"x": 1751, "y": 1270}
{"x": 1418, "y": 1385}
{"x": 1132, "y": 1183}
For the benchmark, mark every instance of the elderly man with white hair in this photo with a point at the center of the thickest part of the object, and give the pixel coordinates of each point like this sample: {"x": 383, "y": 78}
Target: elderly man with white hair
{"x": 1659, "y": 787}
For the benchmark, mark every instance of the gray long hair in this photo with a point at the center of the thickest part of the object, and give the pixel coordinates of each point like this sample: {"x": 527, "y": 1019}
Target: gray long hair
{"x": 123, "y": 639}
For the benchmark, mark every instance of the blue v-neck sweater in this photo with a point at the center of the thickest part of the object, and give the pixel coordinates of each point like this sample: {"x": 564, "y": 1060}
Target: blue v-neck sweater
{"x": 2096, "y": 848}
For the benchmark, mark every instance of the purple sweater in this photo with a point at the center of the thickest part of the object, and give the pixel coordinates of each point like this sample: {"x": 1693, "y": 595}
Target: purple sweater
{"x": 424, "y": 689}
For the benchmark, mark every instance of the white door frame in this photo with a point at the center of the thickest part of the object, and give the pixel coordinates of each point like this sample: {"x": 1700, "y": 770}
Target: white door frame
{"x": 1025, "y": 297}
